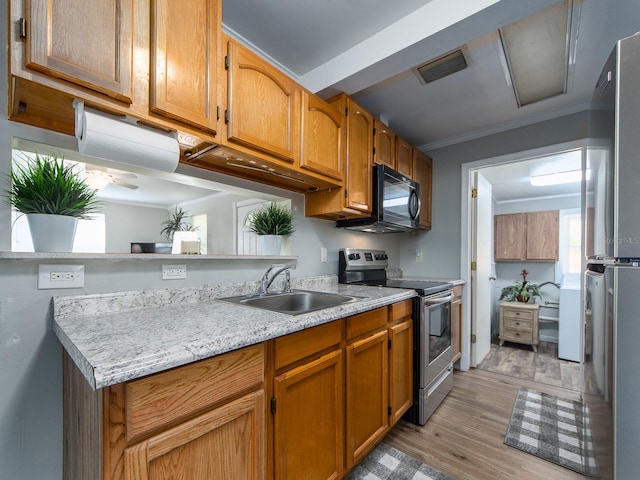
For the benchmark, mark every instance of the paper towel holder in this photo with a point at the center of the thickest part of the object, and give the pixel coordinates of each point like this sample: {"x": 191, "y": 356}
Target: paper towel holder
{"x": 160, "y": 143}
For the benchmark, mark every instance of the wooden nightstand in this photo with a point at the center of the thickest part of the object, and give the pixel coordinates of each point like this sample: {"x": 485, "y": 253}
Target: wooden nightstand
{"x": 519, "y": 323}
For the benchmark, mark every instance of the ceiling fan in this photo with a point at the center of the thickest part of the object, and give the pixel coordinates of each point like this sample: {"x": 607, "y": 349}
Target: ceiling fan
{"x": 99, "y": 177}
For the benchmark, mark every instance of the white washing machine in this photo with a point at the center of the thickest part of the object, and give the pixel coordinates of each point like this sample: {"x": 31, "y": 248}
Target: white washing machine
{"x": 570, "y": 322}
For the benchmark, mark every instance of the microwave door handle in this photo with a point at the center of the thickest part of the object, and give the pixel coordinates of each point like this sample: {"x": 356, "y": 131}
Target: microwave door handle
{"x": 438, "y": 300}
{"x": 414, "y": 204}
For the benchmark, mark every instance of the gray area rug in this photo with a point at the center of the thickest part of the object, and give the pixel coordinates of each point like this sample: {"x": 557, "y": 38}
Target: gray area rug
{"x": 554, "y": 429}
{"x": 387, "y": 463}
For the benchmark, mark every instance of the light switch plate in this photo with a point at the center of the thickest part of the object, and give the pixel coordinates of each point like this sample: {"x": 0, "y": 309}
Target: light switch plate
{"x": 60, "y": 276}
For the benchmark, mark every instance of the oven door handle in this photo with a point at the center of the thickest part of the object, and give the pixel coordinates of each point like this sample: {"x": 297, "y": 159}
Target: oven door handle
{"x": 438, "y": 300}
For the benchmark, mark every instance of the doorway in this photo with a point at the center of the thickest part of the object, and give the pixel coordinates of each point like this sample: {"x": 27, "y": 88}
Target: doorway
{"x": 506, "y": 177}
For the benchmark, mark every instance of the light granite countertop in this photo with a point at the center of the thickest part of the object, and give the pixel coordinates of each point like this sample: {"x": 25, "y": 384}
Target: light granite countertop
{"x": 117, "y": 337}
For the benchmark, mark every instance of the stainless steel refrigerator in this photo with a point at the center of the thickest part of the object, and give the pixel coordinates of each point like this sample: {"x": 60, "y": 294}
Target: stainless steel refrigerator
{"x": 611, "y": 334}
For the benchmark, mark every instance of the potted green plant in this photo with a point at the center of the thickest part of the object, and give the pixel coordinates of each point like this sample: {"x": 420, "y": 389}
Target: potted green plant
{"x": 176, "y": 223}
{"x": 53, "y": 197}
{"x": 521, "y": 291}
{"x": 270, "y": 222}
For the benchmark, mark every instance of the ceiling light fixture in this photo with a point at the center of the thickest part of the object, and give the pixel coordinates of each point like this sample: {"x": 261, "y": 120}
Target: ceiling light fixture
{"x": 560, "y": 178}
{"x": 537, "y": 53}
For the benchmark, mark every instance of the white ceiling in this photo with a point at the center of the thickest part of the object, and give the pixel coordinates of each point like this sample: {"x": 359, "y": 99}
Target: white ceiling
{"x": 367, "y": 48}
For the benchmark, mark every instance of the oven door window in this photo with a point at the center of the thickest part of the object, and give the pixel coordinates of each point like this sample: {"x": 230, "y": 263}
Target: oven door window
{"x": 439, "y": 329}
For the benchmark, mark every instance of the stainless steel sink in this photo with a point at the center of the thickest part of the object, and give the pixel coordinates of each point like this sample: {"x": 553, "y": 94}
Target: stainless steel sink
{"x": 295, "y": 302}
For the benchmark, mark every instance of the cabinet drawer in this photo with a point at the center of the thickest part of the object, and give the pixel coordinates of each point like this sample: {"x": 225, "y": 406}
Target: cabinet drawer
{"x": 366, "y": 322}
{"x": 518, "y": 324}
{"x": 522, "y": 314}
{"x": 168, "y": 397}
{"x": 518, "y": 335}
{"x": 400, "y": 310}
{"x": 299, "y": 345}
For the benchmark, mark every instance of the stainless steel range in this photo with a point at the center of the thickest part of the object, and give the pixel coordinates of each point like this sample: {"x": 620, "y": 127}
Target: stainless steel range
{"x": 432, "y": 353}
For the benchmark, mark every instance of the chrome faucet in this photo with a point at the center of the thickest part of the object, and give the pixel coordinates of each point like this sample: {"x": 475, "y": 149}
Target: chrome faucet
{"x": 267, "y": 281}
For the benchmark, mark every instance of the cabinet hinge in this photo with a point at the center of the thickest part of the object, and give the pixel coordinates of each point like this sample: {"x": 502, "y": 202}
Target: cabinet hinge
{"x": 22, "y": 27}
{"x": 374, "y": 130}
{"x": 226, "y": 116}
{"x": 218, "y": 112}
{"x": 273, "y": 405}
{"x": 346, "y": 193}
{"x": 473, "y": 338}
{"x": 474, "y": 193}
{"x": 346, "y": 111}
{"x": 389, "y": 411}
{"x": 226, "y": 62}
{"x": 389, "y": 344}
{"x": 474, "y": 266}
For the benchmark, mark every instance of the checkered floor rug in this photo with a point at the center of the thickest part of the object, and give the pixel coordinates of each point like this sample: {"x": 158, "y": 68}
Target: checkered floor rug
{"x": 554, "y": 429}
{"x": 387, "y": 463}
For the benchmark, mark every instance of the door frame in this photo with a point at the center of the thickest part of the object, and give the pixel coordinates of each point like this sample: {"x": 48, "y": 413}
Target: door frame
{"x": 466, "y": 226}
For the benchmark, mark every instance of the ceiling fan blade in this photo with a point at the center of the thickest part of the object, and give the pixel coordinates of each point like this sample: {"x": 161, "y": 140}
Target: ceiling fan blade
{"x": 115, "y": 181}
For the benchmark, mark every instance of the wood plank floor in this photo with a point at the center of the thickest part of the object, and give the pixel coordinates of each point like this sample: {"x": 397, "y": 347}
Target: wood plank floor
{"x": 520, "y": 361}
{"x": 464, "y": 437}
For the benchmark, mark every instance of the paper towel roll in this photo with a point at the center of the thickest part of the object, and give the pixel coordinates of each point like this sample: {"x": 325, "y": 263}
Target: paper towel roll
{"x": 102, "y": 136}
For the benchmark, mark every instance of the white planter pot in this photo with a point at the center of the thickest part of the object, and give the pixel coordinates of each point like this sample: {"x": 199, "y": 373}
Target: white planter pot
{"x": 52, "y": 233}
{"x": 269, "y": 244}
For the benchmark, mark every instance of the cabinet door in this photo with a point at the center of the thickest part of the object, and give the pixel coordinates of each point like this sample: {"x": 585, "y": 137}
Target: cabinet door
{"x": 404, "y": 157}
{"x": 359, "y": 158}
{"x": 227, "y": 443}
{"x": 400, "y": 369}
{"x": 542, "y": 235}
{"x": 509, "y": 237}
{"x": 322, "y": 143}
{"x": 422, "y": 173}
{"x": 384, "y": 142}
{"x": 263, "y": 103}
{"x": 367, "y": 395}
{"x": 183, "y": 86}
{"x": 86, "y": 42}
{"x": 309, "y": 420}
{"x": 456, "y": 328}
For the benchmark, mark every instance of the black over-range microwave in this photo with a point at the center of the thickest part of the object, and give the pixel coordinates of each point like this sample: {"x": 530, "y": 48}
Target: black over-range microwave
{"x": 396, "y": 204}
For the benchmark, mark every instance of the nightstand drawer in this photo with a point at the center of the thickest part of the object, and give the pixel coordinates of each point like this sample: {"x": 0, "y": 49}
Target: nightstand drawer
{"x": 522, "y": 314}
{"x": 518, "y": 335}
{"x": 518, "y": 324}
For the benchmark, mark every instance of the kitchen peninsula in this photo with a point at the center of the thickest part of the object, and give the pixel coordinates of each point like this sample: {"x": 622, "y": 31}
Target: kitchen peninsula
{"x": 172, "y": 371}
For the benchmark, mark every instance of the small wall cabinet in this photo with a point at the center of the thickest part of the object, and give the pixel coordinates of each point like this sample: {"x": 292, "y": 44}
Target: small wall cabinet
{"x": 519, "y": 323}
{"x": 526, "y": 236}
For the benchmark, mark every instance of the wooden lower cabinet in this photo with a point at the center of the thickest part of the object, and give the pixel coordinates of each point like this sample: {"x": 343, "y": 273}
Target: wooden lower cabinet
{"x": 308, "y": 420}
{"x": 400, "y": 369}
{"x": 456, "y": 323}
{"x": 226, "y": 443}
{"x": 367, "y": 417}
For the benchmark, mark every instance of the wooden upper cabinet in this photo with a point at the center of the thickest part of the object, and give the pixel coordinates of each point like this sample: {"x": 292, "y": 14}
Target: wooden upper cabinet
{"x": 85, "y": 42}
{"x": 423, "y": 174}
{"x": 322, "y": 139}
{"x": 509, "y": 234}
{"x": 354, "y": 199}
{"x": 185, "y": 39}
{"x": 526, "y": 236}
{"x": 543, "y": 235}
{"x": 384, "y": 141}
{"x": 404, "y": 157}
{"x": 263, "y": 105}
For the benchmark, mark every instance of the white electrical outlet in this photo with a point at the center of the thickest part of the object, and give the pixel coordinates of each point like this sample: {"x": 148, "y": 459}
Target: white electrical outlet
{"x": 419, "y": 256}
{"x": 60, "y": 276}
{"x": 323, "y": 254}
{"x": 174, "y": 272}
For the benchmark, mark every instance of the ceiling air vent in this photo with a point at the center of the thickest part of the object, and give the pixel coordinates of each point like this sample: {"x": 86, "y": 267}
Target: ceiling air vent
{"x": 441, "y": 67}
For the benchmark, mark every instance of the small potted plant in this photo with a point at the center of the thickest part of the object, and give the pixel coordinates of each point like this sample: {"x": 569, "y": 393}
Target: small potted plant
{"x": 53, "y": 197}
{"x": 521, "y": 291}
{"x": 176, "y": 223}
{"x": 270, "y": 222}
